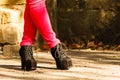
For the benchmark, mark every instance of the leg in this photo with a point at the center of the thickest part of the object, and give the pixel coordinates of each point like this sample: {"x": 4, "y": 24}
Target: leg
{"x": 41, "y": 19}
{"x": 29, "y": 29}
{"x": 27, "y": 60}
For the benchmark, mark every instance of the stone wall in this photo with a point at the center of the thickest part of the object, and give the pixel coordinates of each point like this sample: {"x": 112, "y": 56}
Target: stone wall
{"x": 86, "y": 20}
{"x": 11, "y": 26}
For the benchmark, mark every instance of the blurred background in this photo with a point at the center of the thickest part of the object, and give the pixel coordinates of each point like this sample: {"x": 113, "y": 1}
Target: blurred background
{"x": 87, "y": 23}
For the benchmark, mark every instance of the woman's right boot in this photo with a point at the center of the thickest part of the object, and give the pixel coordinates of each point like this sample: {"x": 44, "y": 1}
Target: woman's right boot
{"x": 27, "y": 60}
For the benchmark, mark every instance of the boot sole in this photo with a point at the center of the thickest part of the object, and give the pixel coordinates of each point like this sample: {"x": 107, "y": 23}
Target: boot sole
{"x": 28, "y": 65}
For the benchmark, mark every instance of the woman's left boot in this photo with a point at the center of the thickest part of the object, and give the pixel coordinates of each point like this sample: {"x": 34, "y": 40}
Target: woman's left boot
{"x": 27, "y": 60}
{"x": 63, "y": 62}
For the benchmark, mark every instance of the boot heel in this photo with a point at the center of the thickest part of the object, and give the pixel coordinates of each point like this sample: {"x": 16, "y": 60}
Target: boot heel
{"x": 22, "y": 65}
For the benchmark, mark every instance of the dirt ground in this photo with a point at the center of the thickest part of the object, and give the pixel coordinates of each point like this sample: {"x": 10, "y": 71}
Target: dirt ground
{"x": 88, "y": 65}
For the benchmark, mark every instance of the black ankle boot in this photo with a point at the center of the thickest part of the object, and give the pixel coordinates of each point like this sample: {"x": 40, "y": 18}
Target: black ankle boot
{"x": 63, "y": 62}
{"x": 27, "y": 61}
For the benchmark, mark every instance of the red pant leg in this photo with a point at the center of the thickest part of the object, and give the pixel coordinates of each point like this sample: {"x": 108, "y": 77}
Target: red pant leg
{"x": 29, "y": 29}
{"x": 40, "y": 17}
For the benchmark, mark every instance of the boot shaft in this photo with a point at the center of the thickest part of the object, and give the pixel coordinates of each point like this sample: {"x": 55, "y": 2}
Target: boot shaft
{"x": 58, "y": 52}
{"x": 27, "y": 50}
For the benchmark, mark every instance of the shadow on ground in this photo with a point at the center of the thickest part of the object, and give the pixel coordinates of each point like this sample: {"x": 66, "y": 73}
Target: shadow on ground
{"x": 97, "y": 57}
{"x": 86, "y": 66}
